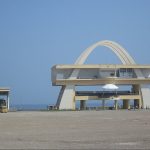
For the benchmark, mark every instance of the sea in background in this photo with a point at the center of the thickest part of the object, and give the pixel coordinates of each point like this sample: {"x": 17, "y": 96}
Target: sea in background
{"x": 28, "y": 107}
{"x": 38, "y": 107}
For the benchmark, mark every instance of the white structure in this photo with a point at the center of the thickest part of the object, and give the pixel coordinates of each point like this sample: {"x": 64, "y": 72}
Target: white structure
{"x": 68, "y": 76}
{"x": 110, "y": 87}
{"x": 4, "y": 93}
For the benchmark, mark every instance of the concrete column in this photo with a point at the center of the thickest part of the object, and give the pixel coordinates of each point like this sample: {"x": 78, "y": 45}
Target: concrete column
{"x": 140, "y": 104}
{"x": 145, "y": 96}
{"x": 103, "y": 104}
{"x": 126, "y": 104}
{"x": 137, "y": 103}
{"x": 115, "y": 104}
{"x": 82, "y": 105}
{"x": 8, "y": 101}
{"x": 66, "y": 99}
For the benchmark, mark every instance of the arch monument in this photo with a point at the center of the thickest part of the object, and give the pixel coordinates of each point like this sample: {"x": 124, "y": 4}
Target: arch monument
{"x": 79, "y": 74}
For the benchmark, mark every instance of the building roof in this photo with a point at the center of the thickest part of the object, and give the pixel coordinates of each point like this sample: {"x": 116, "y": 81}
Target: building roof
{"x": 4, "y": 91}
{"x": 96, "y": 66}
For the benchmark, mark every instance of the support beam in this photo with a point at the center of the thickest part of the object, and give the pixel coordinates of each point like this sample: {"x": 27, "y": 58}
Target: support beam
{"x": 140, "y": 104}
{"x": 82, "y": 105}
{"x": 116, "y": 104}
{"x": 66, "y": 99}
{"x": 125, "y": 97}
{"x": 137, "y": 103}
{"x": 103, "y": 104}
{"x": 126, "y": 104}
{"x": 8, "y": 101}
{"x": 118, "y": 81}
{"x": 145, "y": 92}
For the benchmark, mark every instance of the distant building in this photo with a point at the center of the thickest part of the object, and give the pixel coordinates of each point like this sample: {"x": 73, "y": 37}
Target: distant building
{"x": 4, "y": 95}
{"x": 78, "y": 74}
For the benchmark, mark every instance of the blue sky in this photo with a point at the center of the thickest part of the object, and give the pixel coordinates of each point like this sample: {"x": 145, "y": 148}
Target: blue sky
{"x": 37, "y": 34}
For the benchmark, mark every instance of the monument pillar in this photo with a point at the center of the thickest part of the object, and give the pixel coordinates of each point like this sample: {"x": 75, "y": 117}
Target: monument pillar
{"x": 116, "y": 104}
{"x": 82, "y": 105}
{"x": 126, "y": 104}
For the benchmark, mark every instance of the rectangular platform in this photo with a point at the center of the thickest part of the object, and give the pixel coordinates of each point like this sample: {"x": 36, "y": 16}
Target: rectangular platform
{"x": 103, "y": 66}
{"x": 120, "y": 81}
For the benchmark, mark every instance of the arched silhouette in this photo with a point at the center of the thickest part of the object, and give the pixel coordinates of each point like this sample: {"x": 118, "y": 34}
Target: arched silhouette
{"x": 116, "y": 48}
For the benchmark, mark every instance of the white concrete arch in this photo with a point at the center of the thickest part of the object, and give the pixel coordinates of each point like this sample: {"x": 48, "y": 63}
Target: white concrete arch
{"x": 116, "y": 48}
{"x": 120, "y": 52}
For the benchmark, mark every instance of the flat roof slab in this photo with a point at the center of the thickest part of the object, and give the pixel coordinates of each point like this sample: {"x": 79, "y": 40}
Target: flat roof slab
{"x": 96, "y": 66}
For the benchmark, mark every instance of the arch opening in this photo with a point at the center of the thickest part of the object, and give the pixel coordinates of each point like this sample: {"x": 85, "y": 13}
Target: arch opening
{"x": 120, "y": 52}
{"x": 102, "y": 55}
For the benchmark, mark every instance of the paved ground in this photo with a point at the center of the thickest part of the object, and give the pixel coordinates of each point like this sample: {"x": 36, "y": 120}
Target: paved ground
{"x": 109, "y": 129}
